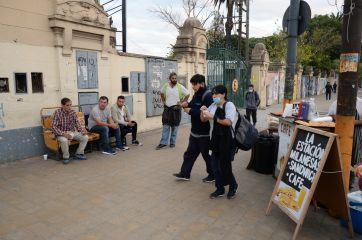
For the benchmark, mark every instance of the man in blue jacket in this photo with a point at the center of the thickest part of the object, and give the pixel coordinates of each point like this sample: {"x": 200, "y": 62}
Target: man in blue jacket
{"x": 199, "y": 139}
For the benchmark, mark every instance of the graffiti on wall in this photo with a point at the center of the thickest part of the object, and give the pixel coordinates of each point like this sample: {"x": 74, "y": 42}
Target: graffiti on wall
{"x": 2, "y": 115}
{"x": 157, "y": 72}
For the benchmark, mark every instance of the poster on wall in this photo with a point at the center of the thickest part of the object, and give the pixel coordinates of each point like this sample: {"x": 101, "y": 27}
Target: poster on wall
{"x": 87, "y": 69}
{"x": 157, "y": 73}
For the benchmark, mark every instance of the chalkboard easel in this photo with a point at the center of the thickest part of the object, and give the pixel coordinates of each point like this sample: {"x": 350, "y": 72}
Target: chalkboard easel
{"x": 312, "y": 170}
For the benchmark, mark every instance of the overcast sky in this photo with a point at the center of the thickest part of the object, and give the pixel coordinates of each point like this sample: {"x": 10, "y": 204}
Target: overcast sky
{"x": 147, "y": 34}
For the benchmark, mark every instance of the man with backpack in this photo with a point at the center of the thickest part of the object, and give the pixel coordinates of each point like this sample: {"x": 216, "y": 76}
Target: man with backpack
{"x": 199, "y": 139}
{"x": 252, "y": 101}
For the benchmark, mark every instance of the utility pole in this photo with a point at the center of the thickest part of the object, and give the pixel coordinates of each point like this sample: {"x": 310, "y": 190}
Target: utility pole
{"x": 348, "y": 80}
{"x": 292, "y": 50}
{"x": 124, "y": 26}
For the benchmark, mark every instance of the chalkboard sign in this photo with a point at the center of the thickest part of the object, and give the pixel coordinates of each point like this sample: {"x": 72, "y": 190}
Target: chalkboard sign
{"x": 309, "y": 156}
{"x": 300, "y": 171}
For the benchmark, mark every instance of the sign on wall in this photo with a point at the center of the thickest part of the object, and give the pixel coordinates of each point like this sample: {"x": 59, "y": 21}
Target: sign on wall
{"x": 138, "y": 82}
{"x": 157, "y": 73}
{"x": 87, "y": 69}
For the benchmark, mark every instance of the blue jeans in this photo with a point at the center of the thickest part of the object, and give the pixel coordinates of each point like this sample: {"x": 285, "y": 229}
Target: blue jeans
{"x": 166, "y": 134}
{"x": 105, "y": 134}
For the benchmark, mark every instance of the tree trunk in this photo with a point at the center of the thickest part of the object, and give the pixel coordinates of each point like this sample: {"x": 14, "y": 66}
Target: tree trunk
{"x": 229, "y": 22}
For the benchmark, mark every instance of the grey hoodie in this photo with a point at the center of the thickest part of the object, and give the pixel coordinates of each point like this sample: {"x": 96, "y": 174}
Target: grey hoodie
{"x": 252, "y": 100}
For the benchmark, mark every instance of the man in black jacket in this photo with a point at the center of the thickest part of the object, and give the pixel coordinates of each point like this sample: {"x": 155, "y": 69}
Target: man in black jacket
{"x": 199, "y": 139}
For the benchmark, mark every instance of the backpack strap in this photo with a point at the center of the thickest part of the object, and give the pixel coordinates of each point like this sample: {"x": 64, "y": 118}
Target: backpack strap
{"x": 204, "y": 95}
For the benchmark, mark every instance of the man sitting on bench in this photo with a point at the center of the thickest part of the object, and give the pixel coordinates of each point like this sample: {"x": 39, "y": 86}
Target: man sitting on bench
{"x": 100, "y": 121}
{"x": 66, "y": 126}
{"x": 120, "y": 115}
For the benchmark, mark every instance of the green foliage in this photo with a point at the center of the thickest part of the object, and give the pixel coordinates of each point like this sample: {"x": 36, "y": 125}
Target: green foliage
{"x": 319, "y": 46}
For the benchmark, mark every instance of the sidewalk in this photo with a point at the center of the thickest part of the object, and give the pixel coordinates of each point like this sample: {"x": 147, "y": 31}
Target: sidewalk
{"x": 133, "y": 195}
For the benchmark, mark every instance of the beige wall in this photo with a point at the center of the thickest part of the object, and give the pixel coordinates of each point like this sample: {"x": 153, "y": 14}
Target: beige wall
{"x": 22, "y": 110}
{"x": 28, "y": 44}
{"x": 60, "y": 80}
{"x": 26, "y": 21}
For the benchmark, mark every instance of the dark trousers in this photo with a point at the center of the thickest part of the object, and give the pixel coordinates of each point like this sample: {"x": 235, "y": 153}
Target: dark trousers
{"x": 128, "y": 129}
{"x": 253, "y": 115}
{"x": 215, "y": 163}
{"x": 195, "y": 147}
{"x": 328, "y": 95}
{"x": 105, "y": 133}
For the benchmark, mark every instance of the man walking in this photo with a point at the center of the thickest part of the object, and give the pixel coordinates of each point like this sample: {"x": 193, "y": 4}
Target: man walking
{"x": 100, "y": 121}
{"x": 199, "y": 140}
{"x": 252, "y": 101}
{"x": 328, "y": 91}
{"x": 66, "y": 126}
{"x": 172, "y": 95}
{"x": 121, "y": 116}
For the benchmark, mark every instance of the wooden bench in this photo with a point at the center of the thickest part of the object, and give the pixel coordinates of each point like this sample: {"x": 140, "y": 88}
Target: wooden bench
{"x": 50, "y": 140}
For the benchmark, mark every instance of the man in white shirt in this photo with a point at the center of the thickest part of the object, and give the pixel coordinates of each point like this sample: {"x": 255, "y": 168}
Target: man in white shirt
{"x": 120, "y": 115}
{"x": 172, "y": 95}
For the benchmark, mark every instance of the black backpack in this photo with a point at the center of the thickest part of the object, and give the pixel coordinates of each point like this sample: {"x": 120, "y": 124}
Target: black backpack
{"x": 245, "y": 134}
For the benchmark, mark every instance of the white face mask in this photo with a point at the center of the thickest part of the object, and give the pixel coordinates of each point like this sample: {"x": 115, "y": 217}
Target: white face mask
{"x": 250, "y": 89}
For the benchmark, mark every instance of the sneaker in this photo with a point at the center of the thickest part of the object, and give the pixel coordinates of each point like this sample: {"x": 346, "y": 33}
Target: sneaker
{"x": 66, "y": 161}
{"x": 179, "y": 176}
{"x": 123, "y": 148}
{"x": 208, "y": 179}
{"x": 160, "y": 146}
{"x": 172, "y": 145}
{"x": 80, "y": 157}
{"x": 232, "y": 192}
{"x": 217, "y": 193}
{"x": 109, "y": 152}
{"x": 137, "y": 143}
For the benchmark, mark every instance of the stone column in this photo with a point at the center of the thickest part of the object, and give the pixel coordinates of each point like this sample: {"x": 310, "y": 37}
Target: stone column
{"x": 259, "y": 62}
{"x": 190, "y": 50}
{"x": 279, "y": 67}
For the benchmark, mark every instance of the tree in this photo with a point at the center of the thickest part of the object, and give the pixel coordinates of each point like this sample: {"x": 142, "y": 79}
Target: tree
{"x": 215, "y": 33}
{"x": 201, "y": 9}
{"x": 319, "y": 46}
{"x": 229, "y": 18}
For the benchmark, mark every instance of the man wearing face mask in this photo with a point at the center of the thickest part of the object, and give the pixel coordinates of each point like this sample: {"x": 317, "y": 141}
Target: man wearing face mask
{"x": 199, "y": 139}
{"x": 252, "y": 101}
{"x": 172, "y": 96}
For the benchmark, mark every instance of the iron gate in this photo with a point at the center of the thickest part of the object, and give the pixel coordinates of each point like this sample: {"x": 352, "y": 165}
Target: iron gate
{"x": 227, "y": 67}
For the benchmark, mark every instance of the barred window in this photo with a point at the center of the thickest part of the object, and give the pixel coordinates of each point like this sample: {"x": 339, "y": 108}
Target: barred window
{"x": 4, "y": 85}
{"x": 21, "y": 85}
{"x": 37, "y": 82}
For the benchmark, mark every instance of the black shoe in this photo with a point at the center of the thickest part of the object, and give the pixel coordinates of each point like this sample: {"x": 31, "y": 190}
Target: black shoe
{"x": 208, "y": 179}
{"x": 232, "y": 192}
{"x": 137, "y": 143}
{"x": 179, "y": 176}
{"x": 217, "y": 193}
{"x": 66, "y": 161}
{"x": 172, "y": 145}
{"x": 160, "y": 146}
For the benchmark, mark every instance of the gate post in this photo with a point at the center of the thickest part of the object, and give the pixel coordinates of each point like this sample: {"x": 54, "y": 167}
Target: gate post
{"x": 259, "y": 62}
{"x": 190, "y": 50}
